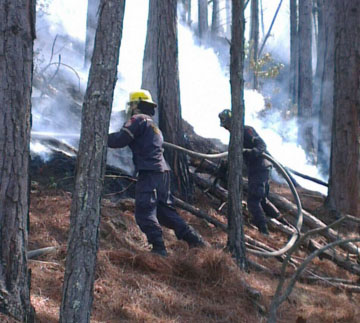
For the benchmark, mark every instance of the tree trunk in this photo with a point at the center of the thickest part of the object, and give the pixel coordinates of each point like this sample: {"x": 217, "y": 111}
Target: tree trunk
{"x": 294, "y": 53}
{"x": 203, "y": 24}
{"x": 254, "y": 42}
{"x": 236, "y": 240}
{"x": 149, "y": 74}
{"x": 170, "y": 120}
{"x": 91, "y": 22}
{"x": 305, "y": 94}
{"x": 91, "y": 160}
{"x": 228, "y": 18}
{"x": 215, "y": 20}
{"x": 17, "y": 34}
{"x": 326, "y": 83}
{"x": 344, "y": 183}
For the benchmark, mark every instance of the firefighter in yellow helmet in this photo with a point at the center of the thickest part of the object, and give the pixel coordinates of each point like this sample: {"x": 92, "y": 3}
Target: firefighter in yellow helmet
{"x": 153, "y": 198}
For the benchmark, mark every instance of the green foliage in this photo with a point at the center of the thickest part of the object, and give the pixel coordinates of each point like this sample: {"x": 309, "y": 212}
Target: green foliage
{"x": 266, "y": 67}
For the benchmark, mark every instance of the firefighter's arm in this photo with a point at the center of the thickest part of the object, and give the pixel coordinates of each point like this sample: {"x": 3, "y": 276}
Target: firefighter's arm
{"x": 126, "y": 134}
{"x": 120, "y": 139}
{"x": 257, "y": 144}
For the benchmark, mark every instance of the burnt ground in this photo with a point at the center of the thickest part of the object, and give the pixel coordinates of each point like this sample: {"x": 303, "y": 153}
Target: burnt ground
{"x": 191, "y": 285}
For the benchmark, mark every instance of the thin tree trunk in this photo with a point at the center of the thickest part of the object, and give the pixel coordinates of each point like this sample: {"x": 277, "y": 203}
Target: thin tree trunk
{"x": 326, "y": 79}
{"x": 215, "y": 21}
{"x": 150, "y": 73}
{"x": 17, "y": 34}
{"x": 91, "y": 160}
{"x": 294, "y": 53}
{"x": 305, "y": 94}
{"x": 203, "y": 18}
{"x": 254, "y": 42}
{"x": 236, "y": 240}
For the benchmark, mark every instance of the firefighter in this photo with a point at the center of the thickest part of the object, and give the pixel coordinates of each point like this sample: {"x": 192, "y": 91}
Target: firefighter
{"x": 259, "y": 170}
{"x": 153, "y": 198}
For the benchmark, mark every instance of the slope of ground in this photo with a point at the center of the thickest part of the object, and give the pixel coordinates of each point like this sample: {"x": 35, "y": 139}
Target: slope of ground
{"x": 191, "y": 285}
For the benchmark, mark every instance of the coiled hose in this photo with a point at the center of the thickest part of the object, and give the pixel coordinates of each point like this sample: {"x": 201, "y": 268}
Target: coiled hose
{"x": 299, "y": 219}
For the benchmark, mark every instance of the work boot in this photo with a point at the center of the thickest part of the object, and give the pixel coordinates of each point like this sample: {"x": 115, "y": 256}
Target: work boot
{"x": 263, "y": 229}
{"x": 159, "y": 248}
{"x": 194, "y": 239}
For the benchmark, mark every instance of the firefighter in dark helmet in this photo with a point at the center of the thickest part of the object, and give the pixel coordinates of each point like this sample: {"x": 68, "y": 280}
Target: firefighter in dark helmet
{"x": 153, "y": 199}
{"x": 259, "y": 170}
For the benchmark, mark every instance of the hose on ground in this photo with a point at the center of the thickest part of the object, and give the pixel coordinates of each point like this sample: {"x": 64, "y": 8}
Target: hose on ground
{"x": 283, "y": 172}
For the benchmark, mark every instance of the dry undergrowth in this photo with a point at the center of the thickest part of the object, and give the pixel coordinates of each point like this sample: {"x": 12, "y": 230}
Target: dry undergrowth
{"x": 197, "y": 285}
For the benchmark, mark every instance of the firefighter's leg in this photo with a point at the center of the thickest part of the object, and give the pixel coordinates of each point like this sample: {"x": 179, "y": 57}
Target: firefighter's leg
{"x": 169, "y": 218}
{"x": 256, "y": 193}
{"x": 145, "y": 212}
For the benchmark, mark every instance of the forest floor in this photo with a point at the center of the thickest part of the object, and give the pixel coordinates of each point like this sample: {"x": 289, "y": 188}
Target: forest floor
{"x": 190, "y": 285}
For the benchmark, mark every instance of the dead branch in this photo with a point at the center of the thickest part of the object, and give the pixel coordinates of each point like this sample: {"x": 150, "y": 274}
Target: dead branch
{"x": 336, "y": 258}
{"x": 40, "y": 252}
{"x": 280, "y": 296}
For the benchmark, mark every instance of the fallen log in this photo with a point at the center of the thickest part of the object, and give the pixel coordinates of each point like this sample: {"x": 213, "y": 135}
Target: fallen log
{"x": 311, "y": 221}
{"x": 281, "y": 203}
{"x": 335, "y": 257}
{"x": 199, "y": 213}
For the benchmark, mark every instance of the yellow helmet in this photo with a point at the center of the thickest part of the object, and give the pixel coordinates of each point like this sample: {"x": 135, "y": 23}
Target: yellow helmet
{"x": 141, "y": 95}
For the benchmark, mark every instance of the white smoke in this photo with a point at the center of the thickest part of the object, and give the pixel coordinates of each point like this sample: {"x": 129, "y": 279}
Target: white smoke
{"x": 205, "y": 87}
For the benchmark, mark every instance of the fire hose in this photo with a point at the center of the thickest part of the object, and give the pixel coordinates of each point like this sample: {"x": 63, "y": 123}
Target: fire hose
{"x": 283, "y": 172}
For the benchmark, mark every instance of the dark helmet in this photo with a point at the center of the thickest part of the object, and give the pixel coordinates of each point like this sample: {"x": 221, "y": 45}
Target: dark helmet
{"x": 225, "y": 119}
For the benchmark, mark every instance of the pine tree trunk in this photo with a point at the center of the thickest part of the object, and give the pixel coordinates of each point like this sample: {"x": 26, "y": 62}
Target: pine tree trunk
{"x": 236, "y": 240}
{"x": 344, "y": 183}
{"x": 294, "y": 53}
{"x": 215, "y": 20}
{"x": 326, "y": 83}
{"x": 17, "y": 34}
{"x": 254, "y": 42}
{"x": 91, "y": 160}
{"x": 170, "y": 120}
{"x": 149, "y": 74}
{"x": 203, "y": 18}
{"x": 305, "y": 94}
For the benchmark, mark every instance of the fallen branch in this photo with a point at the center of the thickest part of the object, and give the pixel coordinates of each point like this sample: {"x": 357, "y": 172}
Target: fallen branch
{"x": 199, "y": 213}
{"x": 280, "y": 297}
{"x": 311, "y": 221}
{"x": 40, "y": 252}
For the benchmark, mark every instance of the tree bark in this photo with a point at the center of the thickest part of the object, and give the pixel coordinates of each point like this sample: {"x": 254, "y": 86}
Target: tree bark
{"x": 305, "y": 94}
{"x": 168, "y": 86}
{"x": 344, "y": 183}
{"x": 294, "y": 53}
{"x": 149, "y": 74}
{"x": 325, "y": 81}
{"x": 91, "y": 160}
{"x": 254, "y": 42}
{"x": 215, "y": 19}
{"x": 203, "y": 25}
{"x": 236, "y": 239}
{"x": 17, "y": 34}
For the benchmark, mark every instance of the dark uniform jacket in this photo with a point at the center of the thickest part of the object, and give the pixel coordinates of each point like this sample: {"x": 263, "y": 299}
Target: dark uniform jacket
{"x": 253, "y": 140}
{"x": 145, "y": 140}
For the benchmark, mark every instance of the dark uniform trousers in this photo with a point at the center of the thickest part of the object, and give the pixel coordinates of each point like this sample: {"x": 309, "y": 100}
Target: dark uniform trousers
{"x": 154, "y": 206}
{"x": 258, "y": 190}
